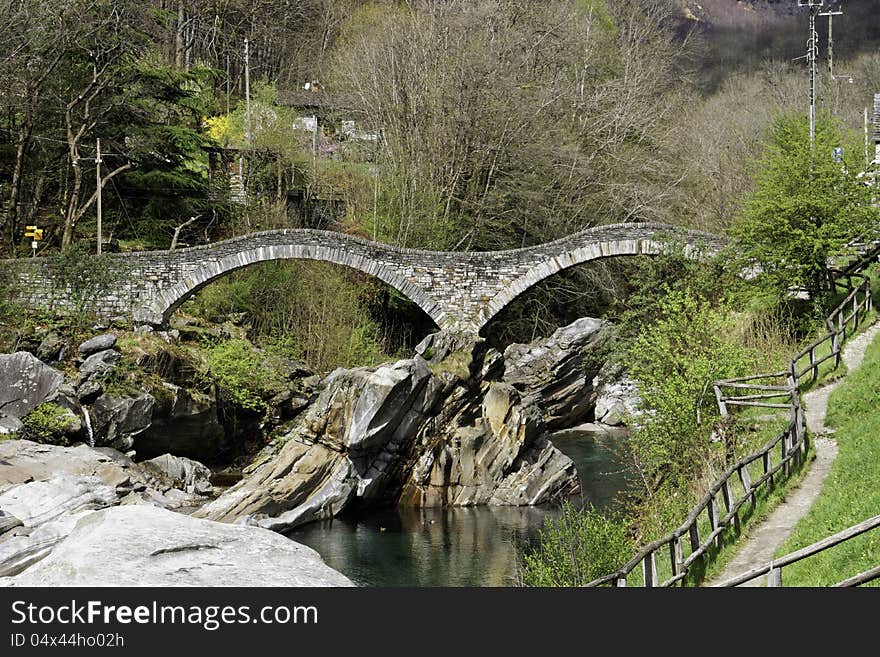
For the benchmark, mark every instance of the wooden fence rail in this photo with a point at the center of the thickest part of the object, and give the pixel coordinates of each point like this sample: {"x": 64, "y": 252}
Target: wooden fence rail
{"x": 736, "y": 488}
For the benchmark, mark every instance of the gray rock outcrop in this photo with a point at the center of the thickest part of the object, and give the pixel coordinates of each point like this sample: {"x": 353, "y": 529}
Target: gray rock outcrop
{"x": 180, "y": 472}
{"x": 552, "y": 372}
{"x": 51, "y": 348}
{"x": 25, "y": 383}
{"x": 118, "y": 420}
{"x": 147, "y": 546}
{"x": 183, "y": 422}
{"x": 617, "y": 397}
{"x": 45, "y": 490}
{"x": 38, "y": 502}
{"x": 457, "y": 425}
{"x": 99, "y": 363}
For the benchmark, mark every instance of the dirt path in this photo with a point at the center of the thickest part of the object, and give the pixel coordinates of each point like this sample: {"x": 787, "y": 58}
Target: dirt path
{"x": 764, "y": 540}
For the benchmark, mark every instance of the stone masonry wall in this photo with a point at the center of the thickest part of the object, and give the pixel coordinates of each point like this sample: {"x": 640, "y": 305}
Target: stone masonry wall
{"x": 462, "y": 290}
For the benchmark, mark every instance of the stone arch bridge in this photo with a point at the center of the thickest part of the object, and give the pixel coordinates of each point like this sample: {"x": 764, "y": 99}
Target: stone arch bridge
{"x": 458, "y": 290}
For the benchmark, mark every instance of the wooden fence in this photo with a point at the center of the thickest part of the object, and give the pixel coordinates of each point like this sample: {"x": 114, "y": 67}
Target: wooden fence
{"x": 773, "y": 570}
{"x": 739, "y": 484}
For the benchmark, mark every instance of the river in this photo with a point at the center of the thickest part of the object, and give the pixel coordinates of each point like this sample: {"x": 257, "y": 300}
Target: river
{"x": 473, "y": 546}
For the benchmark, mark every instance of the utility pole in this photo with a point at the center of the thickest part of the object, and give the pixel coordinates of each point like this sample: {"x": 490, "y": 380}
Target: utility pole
{"x": 248, "y": 129}
{"x": 812, "y": 57}
{"x": 831, "y": 15}
{"x": 247, "y": 92}
{"x": 98, "y": 192}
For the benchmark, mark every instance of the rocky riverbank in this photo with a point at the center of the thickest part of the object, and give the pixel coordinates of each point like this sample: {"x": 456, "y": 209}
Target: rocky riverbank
{"x": 458, "y": 424}
{"x": 80, "y": 516}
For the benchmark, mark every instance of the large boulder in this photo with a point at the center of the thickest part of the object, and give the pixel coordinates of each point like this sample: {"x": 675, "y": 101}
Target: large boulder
{"x": 500, "y": 459}
{"x": 22, "y": 461}
{"x": 96, "y": 344}
{"x": 617, "y": 398}
{"x": 10, "y": 425}
{"x": 180, "y": 472}
{"x": 147, "y": 546}
{"x": 284, "y": 484}
{"x": 118, "y": 420}
{"x": 25, "y": 383}
{"x": 99, "y": 363}
{"x": 27, "y": 548}
{"x": 51, "y": 348}
{"x": 557, "y": 373}
{"x": 38, "y": 502}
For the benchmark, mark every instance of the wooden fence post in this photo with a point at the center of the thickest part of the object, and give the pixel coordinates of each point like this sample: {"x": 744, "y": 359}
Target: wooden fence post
{"x": 712, "y": 511}
{"x": 774, "y": 578}
{"x": 746, "y": 480}
{"x": 722, "y": 407}
{"x": 727, "y": 496}
{"x": 694, "y": 533}
{"x": 765, "y": 459}
{"x": 649, "y": 569}
{"x": 676, "y": 556}
{"x": 784, "y": 448}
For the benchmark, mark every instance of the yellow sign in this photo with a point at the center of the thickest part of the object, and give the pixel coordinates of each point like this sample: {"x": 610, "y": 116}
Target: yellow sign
{"x": 34, "y": 232}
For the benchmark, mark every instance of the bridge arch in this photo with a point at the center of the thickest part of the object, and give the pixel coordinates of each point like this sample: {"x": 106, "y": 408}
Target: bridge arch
{"x": 168, "y": 300}
{"x": 571, "y": 258}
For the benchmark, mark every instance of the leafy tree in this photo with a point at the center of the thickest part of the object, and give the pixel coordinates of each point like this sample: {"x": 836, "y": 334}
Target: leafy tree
{"x": 674, "y": 360}
{"x": 806, "y": 206}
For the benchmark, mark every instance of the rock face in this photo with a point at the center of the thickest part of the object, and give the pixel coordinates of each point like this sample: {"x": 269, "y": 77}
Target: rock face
{"x": 25, "y": 383}
{"x": 552, "y": 371}
{"x": 117, "y": 420}
{"x": 24, "y": 463}
{"x": 39, "y": 502}
{"x": 99, "y": 363}
{"x": 183, "y": 473}
{"x": 187, "y": 425}
{"x": 147, "y": 546}
{"x": 51, "y": 348}
{"x": 458, "y": 425}
{"x": 617, "y": 398}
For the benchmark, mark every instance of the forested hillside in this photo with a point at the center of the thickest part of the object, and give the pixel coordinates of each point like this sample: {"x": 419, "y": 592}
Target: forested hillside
{"x": 447, "y": 125}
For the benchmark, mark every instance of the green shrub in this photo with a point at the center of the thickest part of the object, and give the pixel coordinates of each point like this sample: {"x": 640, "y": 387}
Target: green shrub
{"x": 48, "y": 423}
{"x": 312, "y": 312}
{"x": 675, "y": 360}
{"x": 575, "y": 548}
{"x": 246, "y": 376}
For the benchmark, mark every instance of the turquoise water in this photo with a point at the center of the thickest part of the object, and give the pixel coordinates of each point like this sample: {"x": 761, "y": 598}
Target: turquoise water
{"x": 455, "y": 547}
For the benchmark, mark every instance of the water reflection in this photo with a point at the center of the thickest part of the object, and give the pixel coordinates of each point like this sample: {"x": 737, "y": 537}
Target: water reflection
{"x": 460, "y": 546}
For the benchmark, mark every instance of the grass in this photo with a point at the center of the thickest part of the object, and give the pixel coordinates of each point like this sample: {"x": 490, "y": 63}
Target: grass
{"x": 850, "y": 493}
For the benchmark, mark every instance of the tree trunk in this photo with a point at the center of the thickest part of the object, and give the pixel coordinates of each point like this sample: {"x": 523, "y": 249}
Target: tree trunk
{"x": 180, "y": 36}
{"x": 24, "y": 137}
